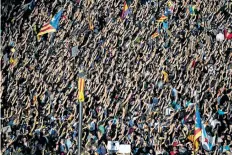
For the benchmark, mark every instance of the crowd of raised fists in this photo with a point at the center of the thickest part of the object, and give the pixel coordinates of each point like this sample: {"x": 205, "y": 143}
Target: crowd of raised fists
{"x": 139, "y": 89}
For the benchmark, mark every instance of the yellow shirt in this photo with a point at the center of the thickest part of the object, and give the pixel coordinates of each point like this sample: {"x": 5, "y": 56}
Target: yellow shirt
{"x": 165, "y": 74}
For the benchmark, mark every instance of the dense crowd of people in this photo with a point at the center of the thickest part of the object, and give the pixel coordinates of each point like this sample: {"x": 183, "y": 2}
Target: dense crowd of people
{"x": 140, "y": 89}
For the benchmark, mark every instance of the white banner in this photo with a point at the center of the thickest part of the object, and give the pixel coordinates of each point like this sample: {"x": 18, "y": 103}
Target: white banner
{"x": 124, "y": 148}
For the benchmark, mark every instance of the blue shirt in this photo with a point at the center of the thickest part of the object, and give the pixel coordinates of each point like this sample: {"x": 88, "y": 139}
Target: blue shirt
{"x": 188, "y": 103}
{"x": 155, "y": 100}
{"x": 165, "y": 25}
{"x": 92, "y": 126}
{"x": 131, "y": 123}
{"x": 220, "y": 112}
{"x": 177, "y": 107}
{"x": 218, "y": 99}
{"x": 167, "y": 12}
{"x": 160, "y": 85}
{"x": 62, "y": 148}
{"x": 174, "y": 92}
{"x": 68, "y": 143}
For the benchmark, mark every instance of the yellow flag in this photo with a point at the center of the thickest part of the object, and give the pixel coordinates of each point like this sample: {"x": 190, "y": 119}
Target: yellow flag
{"x": 81, "y": 84}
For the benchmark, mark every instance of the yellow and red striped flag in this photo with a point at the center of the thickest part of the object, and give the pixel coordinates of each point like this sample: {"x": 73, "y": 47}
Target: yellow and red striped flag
{"x": 195, "y": 143}
{"x": 81, "y": 84}
{"x": 162, "y": 18}
{"x": 154, "y": 35}
{"x": 51, "y": 26}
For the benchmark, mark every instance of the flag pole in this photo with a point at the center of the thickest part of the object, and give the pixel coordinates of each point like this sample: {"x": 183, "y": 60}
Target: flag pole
{"x": 80, "y": 128}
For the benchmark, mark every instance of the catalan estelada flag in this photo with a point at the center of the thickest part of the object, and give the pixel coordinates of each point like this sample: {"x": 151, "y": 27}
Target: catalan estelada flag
{"x": 162, "y": 18}
{"x": 155, "y": 34}
{"x": 81, "y": 84}
{"x": 198, "y": 128}
{"x": 52, "y": 26}
{"x": 125, "y": 10}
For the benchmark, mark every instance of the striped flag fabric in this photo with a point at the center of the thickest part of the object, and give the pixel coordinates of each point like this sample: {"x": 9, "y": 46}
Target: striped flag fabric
{"x": 198, "y": 128}
{"x": 52, "y": 26}
{"x": 154, "y": 35}
{"x": 81, "y": 84}
{"x": 191, "y": 138}
{"x": 162, "y": 18}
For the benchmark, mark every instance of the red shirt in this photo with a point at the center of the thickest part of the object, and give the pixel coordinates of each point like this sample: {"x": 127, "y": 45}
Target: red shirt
{"x": 173, "y": 152}
{"x": 227, "y": 35}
